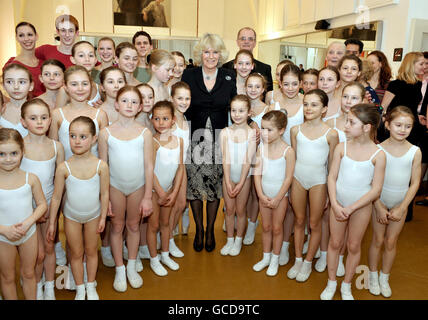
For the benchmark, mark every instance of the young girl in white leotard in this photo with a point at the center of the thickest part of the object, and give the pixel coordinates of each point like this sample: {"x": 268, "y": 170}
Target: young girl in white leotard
{"x": 148, "y": 95}
{"x": 292, "y": 103}
{"x": 83, "y": 54}
{"x": 52, "y": 78}
{"x": 244, "y": 65}
{"x": 127, "y": 147}
{"x": 78, "y": 87}
{"x": 354, "y": 182}
{"x": 402, "y": 176}
{"x": 310, "y": 80}
{"x": 167, "y": 178}
{"x": 255, "y": 87}
{"x": 161, "y": 66}
{"x": 41, "y": 157}
{"x": 275, "y": 94}
{"x": 18, "y": 235}
{"x": 353, "y": 93}
{"x": 181, "y": 98}
{"x": 18, "y": 82}
{"x": 127, "y": 61}
{"x": 112, "y": 79}
{"x": 273, "y": 175}
{"x": 85, "y": 179}
{"x": 314, "y": 144}
{"x": 329, "y": 82}
{"x": 238, "y": 146}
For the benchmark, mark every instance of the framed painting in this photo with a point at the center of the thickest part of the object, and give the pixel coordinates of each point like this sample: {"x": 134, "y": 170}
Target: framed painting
{"x": 150, "y": 13}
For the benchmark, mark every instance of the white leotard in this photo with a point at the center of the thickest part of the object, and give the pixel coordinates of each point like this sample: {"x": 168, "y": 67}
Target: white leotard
{"x": 295, "y": 120}
{"x": 18, "y": 127}
{"x": 273, "y": 174}
{"x": 398, "y": 172}
{"x": 237, "y": 153}
{"x": 258, "y": 119}
{"x": 342, "y": 134}
{"x": 185, "y": 135}
{"x": 82, "y": 201}
{"x": 166, "y": 165}
{"x": 334, "y": 116}
{"x": 96, "y": 98}
{"x": 64, "y": 135}
{"x": 311, "y": 160}
{"x": 44, "y": 170}
{"x": 15, "y": 207}
{"x": 354, "y": 179}
{"x": 126, "y": 162}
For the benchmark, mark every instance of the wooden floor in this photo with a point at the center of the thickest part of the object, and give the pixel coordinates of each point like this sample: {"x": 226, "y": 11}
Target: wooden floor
{"x": 206, "y": 276}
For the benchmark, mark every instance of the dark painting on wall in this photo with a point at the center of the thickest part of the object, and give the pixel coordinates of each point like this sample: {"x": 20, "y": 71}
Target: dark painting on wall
{"x": 152, "y": 13}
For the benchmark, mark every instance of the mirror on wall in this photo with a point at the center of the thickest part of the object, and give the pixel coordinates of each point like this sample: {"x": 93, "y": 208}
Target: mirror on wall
{"x": 310, "y": 49}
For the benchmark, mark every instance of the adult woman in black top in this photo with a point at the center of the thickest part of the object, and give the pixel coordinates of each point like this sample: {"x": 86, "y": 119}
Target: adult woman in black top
{"x": 406, "y": 91}
{"x": 212, "y": 89}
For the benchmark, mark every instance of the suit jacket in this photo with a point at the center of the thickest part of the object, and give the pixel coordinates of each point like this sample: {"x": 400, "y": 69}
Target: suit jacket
{"x": 213, "y": 104}
{"x": 259, "y": 67}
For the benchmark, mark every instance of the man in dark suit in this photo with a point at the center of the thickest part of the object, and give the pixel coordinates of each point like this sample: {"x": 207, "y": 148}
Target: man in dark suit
{"x": 247, "y": 40}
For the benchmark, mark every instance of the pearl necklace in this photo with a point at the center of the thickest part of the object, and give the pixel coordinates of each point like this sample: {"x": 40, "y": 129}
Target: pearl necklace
{"x": 208, "y": 77}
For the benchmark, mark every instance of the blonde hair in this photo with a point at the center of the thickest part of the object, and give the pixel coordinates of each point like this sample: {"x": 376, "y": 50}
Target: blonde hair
{"x": 159, "y": 57}
{"x": 213, "y": 41}
{"x": 406, "y": 72}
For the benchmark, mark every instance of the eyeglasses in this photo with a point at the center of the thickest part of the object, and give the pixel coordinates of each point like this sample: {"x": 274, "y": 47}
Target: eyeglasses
{"x": 245, "y": 39}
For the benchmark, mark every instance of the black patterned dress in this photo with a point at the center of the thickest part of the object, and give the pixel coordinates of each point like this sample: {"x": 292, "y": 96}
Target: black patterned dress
{"x": 208, "y": 114}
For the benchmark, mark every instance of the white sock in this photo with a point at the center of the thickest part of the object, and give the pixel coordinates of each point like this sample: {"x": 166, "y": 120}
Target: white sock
{"x": 373, "y": 274}
{"x": 131, "y": 265}
{"x": 299, "y": 259}
{"x": 307, "y": 262}
{"x": 266, "y": 256}
{"x": 230, "y": 240}
{"x": 323, "y": 254}
{"x": 106, "y": 250}
{"x": 121, "y": 269}
{"x": 346, "y": 286}
{"x": 331, "y": 283}
{"x": 165, "y": 254}
{"x": 58, "y": 245}
{"x": 238, "y": 239}
{"x": 340, "y": 259}
{"x": 49, "y": 284}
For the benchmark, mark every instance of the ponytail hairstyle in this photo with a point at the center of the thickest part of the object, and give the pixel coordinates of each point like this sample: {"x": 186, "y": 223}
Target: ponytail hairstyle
{"x": 367, "y": 114}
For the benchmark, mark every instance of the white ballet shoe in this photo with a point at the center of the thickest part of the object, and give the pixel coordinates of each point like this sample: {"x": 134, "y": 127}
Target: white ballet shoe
{"x": 329, "y": 291}
{"x": 273, "y": 266}
{"x": 80, "y": 292}
{"x": 227, "y": 247}
{"x": 60, "y": 256}
{"x": 143, "y": 252}
{"x": 236, "y": 248}
{"x": 259, "y": 266}
{"x": 345, "y": 291}
{"x": 174, "y": 250}
{"x": 304, "y": 272}
{"x": 374, "y": 287}
{"x": 134, "y": 278}
{"x": 284, "y": 256}
{"x": 340, "y": 268}
{"x": 166, "y": 260}
{"x": 39, "y": 294}
{"x": 107, "y": 257}
{"x": 292, "y": 273}
{"x": 91, "y": 291}
{"x": 385, "y": 288}
{"x": 49, "y": 293}
{"x": 120, "y": 284}
{"x": 138, "y": 264}
{"x": 157, "y": 267}
{"x": 250, "y": 233}
{"x": 321, "y": 263}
